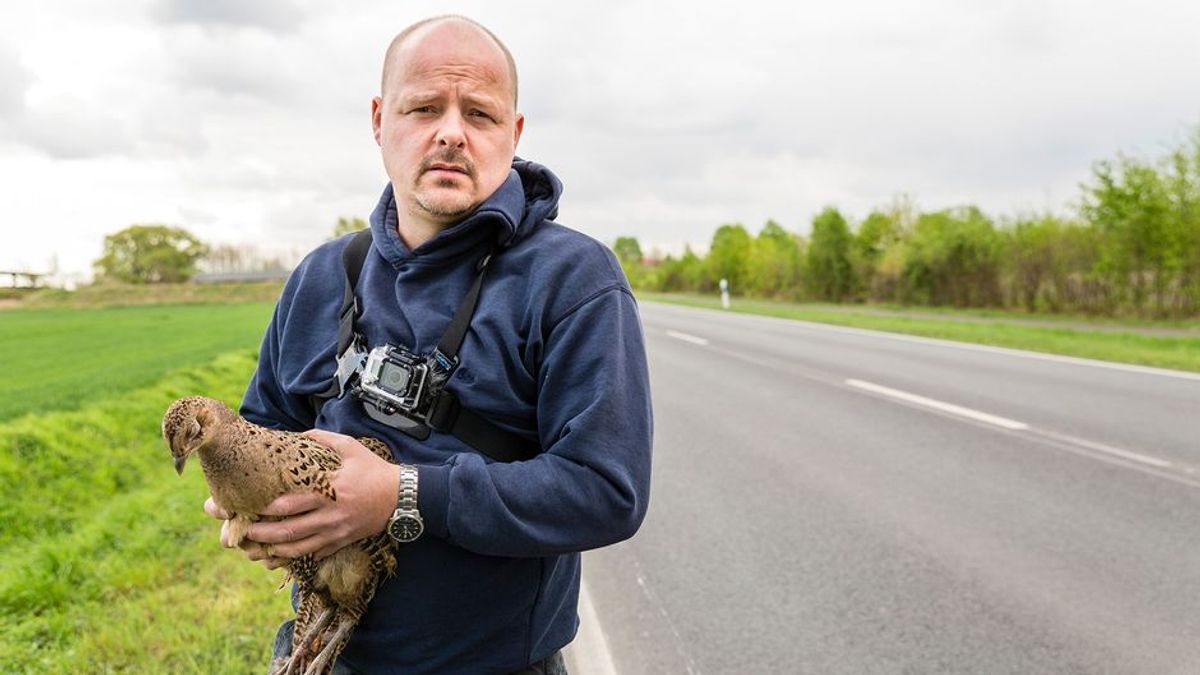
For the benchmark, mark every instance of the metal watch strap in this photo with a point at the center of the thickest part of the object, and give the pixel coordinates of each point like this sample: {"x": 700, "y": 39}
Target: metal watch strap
{"x": 405, "y": 525}
{"x": 407, "y": 500}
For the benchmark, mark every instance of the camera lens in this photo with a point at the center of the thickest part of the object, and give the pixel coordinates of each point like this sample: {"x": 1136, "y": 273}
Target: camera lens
{"x": 394, "y": 377}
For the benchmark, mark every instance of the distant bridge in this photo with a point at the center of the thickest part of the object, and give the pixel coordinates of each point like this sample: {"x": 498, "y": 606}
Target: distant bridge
{"x": 14, "y": 278}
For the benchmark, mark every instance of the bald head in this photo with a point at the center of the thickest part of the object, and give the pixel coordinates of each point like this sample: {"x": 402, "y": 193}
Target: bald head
{"x": 420, "y": 28}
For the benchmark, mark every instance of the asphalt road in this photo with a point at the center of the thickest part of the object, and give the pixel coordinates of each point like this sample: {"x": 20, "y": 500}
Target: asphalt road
{"x": 828, "y": 500}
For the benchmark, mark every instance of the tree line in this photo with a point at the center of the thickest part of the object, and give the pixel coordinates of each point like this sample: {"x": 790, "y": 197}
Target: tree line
{"x": 1132, "y": 246}
{"x": 157, "y": 254}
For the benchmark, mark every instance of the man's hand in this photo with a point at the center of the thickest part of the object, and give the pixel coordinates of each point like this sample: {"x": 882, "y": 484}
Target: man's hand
{"x": 366, "y": 488}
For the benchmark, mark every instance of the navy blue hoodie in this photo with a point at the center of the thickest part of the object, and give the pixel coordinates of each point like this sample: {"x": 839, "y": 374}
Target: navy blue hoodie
{"x": 554, "y": 353}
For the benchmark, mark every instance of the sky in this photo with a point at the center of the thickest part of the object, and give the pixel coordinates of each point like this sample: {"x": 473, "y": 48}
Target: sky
{"x": 248, "y": 122}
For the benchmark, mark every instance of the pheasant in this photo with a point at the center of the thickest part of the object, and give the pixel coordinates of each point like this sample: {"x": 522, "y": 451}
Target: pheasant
{"x": 247, "y": 467}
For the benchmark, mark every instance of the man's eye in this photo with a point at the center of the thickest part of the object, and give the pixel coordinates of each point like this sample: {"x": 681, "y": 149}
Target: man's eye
{"x": 423, "y": 109}
{"x": 480, "y": 113}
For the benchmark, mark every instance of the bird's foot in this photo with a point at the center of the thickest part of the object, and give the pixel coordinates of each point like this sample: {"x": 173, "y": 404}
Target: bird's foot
{"x": 304, "y": 643}
{"x": 333, "y": 646}
{"x": 239, "y": 526}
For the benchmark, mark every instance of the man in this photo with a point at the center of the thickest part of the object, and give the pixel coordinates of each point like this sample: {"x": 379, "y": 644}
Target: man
{"x": 553, "y": 356}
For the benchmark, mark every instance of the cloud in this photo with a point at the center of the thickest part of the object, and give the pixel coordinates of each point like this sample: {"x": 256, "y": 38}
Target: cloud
{"x": 14, "y": 81}
{"x": 663, "y": 124}
{"x": 69, "y": 128}
{"x": 277, "y": 16}
{"x": 248, "y": 65}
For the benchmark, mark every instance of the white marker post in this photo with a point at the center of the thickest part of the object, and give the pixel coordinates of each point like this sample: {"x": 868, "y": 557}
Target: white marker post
{"x": 724, "y": 294}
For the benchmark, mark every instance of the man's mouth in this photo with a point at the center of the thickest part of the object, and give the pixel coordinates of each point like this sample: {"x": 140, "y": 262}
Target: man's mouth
{"x": 447, "y": 167}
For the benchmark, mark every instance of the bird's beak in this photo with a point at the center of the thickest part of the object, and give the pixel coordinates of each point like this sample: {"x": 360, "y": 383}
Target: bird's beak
{"x": 179, "y": 462}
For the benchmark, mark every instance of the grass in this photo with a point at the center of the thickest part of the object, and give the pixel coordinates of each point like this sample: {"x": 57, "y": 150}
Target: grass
{"x": 107, "y": 563}
{"x": 61, "y": 359}
{"x": 112, "y": 294}
{"x": 1178, "y": 352}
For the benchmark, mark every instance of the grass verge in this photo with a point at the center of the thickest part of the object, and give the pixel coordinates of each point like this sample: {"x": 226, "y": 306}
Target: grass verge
{"x": 112, "y": 294}
{"x": 107, "y": 563}
{"x": 1177, "y": 352}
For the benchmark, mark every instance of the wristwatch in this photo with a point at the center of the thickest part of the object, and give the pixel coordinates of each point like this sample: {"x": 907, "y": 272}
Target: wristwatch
{"x": 406, "y": 525}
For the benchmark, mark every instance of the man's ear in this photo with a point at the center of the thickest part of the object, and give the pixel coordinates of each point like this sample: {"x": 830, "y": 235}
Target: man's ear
{"x": 517, "y": 129}
{"x": 376, "y": 119}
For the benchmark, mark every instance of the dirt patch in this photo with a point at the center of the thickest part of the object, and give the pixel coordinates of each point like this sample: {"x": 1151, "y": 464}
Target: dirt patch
{"x": 9, "y": 303}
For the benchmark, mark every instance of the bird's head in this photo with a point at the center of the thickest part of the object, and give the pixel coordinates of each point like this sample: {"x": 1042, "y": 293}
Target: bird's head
{"x": 189, "y": 423}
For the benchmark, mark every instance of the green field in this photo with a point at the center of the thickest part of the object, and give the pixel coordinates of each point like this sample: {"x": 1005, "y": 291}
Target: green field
{"x": 1107, "y": 341}
{"x": 107, "y": 562}
{"x": 60, "y": 359}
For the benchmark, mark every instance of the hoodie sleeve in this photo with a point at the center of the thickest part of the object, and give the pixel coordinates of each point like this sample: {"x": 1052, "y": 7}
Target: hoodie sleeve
{"x": 590, "y": 486}
{"x": 265, "y": 402}
{"x": 296, "y": 358}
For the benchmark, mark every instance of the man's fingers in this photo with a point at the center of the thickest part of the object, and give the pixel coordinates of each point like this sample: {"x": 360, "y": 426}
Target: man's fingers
{"x": 340, "y": 443}
{"x": 327, "y": 551}
{"x": 294, "y": 504}
{"x": 325, "y": 437}
{"x": 265, "y": 554}
{"x": 287, "y": 551}
{"x": 292, "y": 530}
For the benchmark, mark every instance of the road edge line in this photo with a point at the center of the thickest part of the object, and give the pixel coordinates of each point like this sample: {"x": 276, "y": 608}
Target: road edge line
{"x": 588, "y": 653}
{"x": 972, "y": 346}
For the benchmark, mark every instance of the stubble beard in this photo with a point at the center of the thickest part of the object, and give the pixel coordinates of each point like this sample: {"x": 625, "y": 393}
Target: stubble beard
{"x": 437, "y": 202}
{"x": 443, "y": 207}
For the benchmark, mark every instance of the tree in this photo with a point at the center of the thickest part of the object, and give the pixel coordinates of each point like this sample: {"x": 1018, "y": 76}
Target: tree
{"x": 830, "y": 274}
{"x": 774, "y": 262}
{"x": 347, "y": 225}
{"x": 1148, "y": 216}
{"x": 729, "y": 256}
{"x": 628, "y": 250}
{"x": 150, "y": 254}
{"x": 683, "y": 274}
{"x": 1182, "y": 176}
{"x": 629, "y": 254}
{"x": 954, "y": 258}
{"x": 879, "y": 232}
{"x": 1045, "y": 259}
{"x": 1130, "y": 205}
{"x": 235, "y": 258}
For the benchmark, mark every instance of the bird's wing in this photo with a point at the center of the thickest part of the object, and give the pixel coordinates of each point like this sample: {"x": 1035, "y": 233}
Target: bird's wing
{"x": 311, "y": 466}
{"x": 378, "y": 447}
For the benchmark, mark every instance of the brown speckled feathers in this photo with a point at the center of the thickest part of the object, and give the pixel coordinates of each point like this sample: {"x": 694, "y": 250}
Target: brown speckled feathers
{"x": 247, "y": 467}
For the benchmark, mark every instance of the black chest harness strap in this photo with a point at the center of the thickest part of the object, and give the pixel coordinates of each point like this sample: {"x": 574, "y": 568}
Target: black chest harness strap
{"x": 445, "y": 414}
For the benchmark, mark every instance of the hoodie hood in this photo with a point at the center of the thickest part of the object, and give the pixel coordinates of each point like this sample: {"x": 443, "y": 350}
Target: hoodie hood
{"x": 527, "y": 197}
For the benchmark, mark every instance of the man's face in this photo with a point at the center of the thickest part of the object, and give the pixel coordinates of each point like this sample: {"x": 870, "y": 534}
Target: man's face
{"x": 446, "y": 122}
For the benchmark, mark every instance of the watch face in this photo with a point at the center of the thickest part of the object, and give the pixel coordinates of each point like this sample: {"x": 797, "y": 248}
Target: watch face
{"x": 405, "y": 528}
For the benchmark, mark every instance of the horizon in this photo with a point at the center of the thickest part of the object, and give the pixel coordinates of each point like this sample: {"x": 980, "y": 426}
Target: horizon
{"x": 248, "y": 124}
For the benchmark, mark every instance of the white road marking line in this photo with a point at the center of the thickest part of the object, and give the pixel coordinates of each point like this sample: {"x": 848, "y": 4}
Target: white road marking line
{"x": 589, "y": 651}
{"x": 680, "y": 646}
{"x": 688, "y": 338}
{"x": 940, "y": 405}
{"x": 1108, "y": 449}
{"x": 1008, "y": 351}
{"x": 1012, "y": 424}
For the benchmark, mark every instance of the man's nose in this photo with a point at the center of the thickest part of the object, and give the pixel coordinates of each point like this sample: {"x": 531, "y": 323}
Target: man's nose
{"x": 451, "y": 131}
